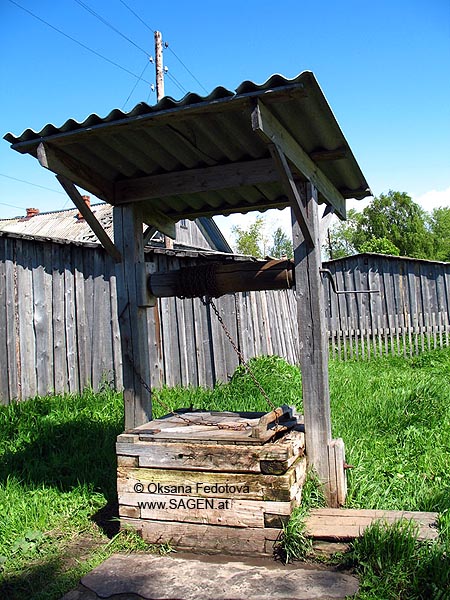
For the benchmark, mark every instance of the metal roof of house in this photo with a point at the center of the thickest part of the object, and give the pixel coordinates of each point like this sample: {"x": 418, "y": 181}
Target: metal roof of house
{"x": 65, "y": 225}
{"x": 102, "y": 155}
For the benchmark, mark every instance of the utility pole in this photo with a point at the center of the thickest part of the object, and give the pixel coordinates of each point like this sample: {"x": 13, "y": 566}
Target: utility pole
{"x": 159, "y": 68}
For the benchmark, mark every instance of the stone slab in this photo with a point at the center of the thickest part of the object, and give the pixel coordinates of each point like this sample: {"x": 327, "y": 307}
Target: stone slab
{"x": 179, "y": 578}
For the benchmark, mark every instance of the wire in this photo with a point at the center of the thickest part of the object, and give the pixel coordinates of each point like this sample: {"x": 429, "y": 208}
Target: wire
{"x": 31, "y": 183}
{"x": 108, "y": 24}
{"x": 135, "y": 85}
{"x": 173, "y": 52}
{"x": 137, "y": 16}
{"x": 78, "y": 42}
{"x": 12, "y": 205}
{"x": 176, "y": 82}
{"x": 188, "y": 70}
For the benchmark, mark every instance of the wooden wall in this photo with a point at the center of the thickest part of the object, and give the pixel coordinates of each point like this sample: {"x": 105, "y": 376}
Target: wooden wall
{"x": 59, "y": 323}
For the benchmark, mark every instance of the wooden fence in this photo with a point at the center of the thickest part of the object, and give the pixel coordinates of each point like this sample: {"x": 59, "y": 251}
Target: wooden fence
{"x": 59, "y": 324}
{"x": 408, "y": 313}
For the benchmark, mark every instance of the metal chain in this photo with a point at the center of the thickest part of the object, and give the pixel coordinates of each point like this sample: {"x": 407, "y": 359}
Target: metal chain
{"x": 147, "y": 387}
{"x": 238, "y": 427}
{"x": 208, "y": 301}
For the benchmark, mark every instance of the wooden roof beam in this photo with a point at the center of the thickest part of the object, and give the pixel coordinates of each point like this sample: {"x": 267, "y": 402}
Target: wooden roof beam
{"x": 90, "y": 218}
{"x": 268, "y": 127}
{"x": 73, "y": 170}
{"x": 193, "y": 181}
{"x": 324, "y": 155}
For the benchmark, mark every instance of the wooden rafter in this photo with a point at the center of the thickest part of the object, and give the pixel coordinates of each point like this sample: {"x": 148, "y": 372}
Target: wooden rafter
{"x": 63, "y": 164}
{"x": 273, "y": 132}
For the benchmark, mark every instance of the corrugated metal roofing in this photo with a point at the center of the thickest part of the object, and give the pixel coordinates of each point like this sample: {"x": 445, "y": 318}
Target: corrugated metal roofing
{"x": 62, "y": 224}
{"x": 196, "y": 132}
{"x": 65, "y": 225}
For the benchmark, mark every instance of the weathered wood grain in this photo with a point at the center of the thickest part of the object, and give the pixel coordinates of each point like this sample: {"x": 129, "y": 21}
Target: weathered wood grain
{"x": 229, "y": 512}
{"x": 210, "y": 484}
{"x": 347, "y": 524}
{"x": 80, "y": 333}
{"x": 313, "y": 339}
{"x": 248, "y": 541}
{"x": 268, "y": 458}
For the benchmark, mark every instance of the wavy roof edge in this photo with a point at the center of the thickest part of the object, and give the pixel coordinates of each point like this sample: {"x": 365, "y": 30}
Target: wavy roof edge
{"x": 166, "y": 103}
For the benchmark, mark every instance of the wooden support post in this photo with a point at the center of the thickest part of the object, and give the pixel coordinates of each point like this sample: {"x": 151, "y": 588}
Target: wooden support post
{"x": 128, "y": 238}
{"x": 312, "y": 338}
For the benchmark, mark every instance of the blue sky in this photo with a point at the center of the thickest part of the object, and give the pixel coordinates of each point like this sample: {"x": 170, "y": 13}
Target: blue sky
{"x": 383, "y": 66}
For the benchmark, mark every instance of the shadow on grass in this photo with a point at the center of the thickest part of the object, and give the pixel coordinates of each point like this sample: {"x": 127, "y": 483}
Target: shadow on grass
{"x": 27, "y": 583}
{"x": 67, "y": 455}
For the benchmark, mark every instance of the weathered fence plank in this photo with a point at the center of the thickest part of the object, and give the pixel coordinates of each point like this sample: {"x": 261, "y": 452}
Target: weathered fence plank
{"x": 59, "y": 319}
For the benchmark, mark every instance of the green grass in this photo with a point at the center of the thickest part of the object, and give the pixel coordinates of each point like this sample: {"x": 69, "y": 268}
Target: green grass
{"x": 57, "y": 472}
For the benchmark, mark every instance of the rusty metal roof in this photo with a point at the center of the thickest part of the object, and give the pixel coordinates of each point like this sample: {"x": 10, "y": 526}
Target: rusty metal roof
{"x": 102, "y": 154}
{"x": 66, "y": 225}
{"x": 62, "y": 224}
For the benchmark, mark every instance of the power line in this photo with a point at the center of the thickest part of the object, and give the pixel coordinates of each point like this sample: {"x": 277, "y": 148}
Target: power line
{"x": 167, "y": 46}
{"x": 135, "y": 85}
{"x": 188, "y": 70}
{"x": 137, "y": 16}
{"x": 77, "y": 41}
{"x": 31, "y": 183}
{"x": 12, "y": 205}
{"x": 176, "y": 82}
{"x": 108, "y": 24}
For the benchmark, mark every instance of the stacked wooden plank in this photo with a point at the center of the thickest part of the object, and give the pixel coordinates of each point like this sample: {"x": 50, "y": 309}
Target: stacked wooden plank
{"x": 205, "y": 482}
{"x": 337, "y": 524}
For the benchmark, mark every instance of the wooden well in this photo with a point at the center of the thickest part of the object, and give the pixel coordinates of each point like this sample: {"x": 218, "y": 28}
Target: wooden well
{"x": 212, "y": 482}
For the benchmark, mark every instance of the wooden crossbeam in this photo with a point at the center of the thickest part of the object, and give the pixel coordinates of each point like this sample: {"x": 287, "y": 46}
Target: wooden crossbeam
{"x": 273, "y": 132}
{"x": 193, "y": 181}
{"x": 63, "y": 164}
{"x": 90, "y": 218}
{"x": 292, "y": 193}
{"x": 324, "y": 155}
{"x": 152, "y": 216}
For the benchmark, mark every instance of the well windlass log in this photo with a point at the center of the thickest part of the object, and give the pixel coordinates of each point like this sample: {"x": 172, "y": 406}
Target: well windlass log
{"x": 217, "y": 279}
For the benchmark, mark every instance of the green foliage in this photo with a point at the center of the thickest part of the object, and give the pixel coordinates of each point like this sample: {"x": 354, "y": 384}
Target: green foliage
{"x": 341, "y": 237}
{"x": 280, "y": 381}
{"x": 281, "y": 245}
{"x": 379, "y": 246}
{"x": 392, "y": 564}
{"x": 392, "y": 224}
{"x": 395, "y": 217}
{"x": 251, "y": 240}
{"x": 439, "y": 224}
{"x": 294, "y": 543}
{"x": 57, "y": 472}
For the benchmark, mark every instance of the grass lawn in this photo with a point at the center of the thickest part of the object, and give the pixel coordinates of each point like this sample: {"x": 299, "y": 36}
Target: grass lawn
{"x": 57, "y": 472}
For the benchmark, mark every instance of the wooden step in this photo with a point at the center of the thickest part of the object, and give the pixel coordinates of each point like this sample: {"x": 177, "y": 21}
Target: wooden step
{"x": 340, "y": 524}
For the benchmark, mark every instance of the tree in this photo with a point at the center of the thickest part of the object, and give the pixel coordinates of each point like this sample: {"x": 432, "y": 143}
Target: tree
{"x": 341, "y": 236}
{"x": 395, "y": 217}
{"x": 380, "y": 246}
{"x": 439, "y": 224}
{"x": 252, "y": 240}
{"x": 281, "y": 245}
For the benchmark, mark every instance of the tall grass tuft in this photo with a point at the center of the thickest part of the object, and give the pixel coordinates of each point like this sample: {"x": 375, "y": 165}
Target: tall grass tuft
{"x": 392, "y": 564}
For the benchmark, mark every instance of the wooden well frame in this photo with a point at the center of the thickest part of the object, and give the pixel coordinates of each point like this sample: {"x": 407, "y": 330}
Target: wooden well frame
{"x": 277, "y": 145}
